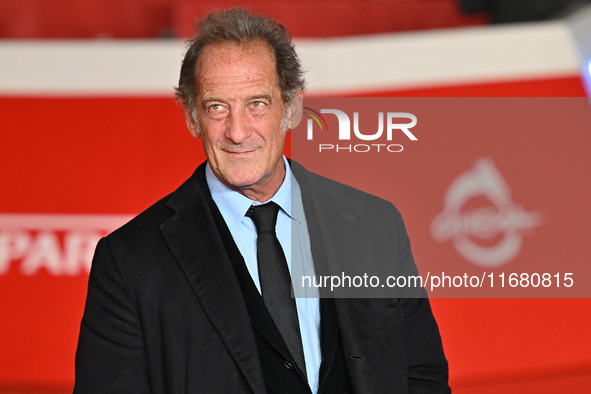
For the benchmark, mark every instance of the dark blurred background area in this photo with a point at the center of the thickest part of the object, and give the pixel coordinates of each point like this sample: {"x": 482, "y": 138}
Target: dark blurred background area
{"x": 511, "y": 11}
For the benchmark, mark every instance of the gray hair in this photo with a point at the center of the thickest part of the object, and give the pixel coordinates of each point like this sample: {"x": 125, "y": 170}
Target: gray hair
{"x": 238, "y": 25}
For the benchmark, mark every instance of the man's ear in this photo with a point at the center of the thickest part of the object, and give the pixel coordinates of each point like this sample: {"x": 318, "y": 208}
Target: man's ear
{"x": 296, "y": 108}
{"x": 192, "y": 124}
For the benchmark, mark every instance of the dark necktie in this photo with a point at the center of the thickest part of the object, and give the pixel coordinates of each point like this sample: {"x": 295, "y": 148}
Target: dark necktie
{"x": 275, "y": 279}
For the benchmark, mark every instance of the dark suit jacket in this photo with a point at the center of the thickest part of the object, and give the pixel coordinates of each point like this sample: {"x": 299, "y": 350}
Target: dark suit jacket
{"x": 165, "y": 314}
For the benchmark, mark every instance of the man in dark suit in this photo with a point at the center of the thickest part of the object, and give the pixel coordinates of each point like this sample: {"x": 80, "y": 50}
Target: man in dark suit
{"x": 185, "y": 298}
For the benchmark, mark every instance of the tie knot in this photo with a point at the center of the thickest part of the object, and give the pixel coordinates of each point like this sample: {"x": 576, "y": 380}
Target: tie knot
{"x": 264, "y": 216}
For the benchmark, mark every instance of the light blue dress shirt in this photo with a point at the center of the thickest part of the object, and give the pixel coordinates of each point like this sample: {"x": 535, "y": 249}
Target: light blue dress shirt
{"x": 292, "y": 232}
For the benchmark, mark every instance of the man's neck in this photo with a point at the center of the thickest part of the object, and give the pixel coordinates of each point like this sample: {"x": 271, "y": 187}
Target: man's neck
{"x": 266, "y": 188}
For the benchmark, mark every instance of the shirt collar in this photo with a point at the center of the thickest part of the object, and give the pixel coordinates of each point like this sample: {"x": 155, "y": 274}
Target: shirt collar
{"x": 233, "y": 205}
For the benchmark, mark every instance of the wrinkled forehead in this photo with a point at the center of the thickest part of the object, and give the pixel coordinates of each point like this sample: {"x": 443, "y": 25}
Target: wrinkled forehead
{"x": 219, "y": 57}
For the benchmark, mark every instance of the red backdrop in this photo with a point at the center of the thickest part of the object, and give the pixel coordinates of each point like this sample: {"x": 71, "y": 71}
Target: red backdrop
{"x": 104, "y": 156}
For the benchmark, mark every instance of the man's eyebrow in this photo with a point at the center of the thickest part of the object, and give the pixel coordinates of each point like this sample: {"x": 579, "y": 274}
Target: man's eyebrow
{"x": 260, "y": 96}
{"x": 208, "y": 100}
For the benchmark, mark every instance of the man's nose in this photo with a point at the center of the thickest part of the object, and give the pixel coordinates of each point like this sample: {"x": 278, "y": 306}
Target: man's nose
{"x": 238, "y": 128}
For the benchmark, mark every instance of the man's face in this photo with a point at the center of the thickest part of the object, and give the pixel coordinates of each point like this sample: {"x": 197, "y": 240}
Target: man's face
{"x": 240, "y": 113}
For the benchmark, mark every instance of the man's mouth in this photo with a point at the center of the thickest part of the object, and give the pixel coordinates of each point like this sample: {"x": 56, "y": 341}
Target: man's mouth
{"x": 243, "y": 151}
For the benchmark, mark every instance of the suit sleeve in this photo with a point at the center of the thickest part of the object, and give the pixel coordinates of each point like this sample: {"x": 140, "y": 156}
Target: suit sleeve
{"x": 427, "y": 368}
{"x": 110, "y": 357}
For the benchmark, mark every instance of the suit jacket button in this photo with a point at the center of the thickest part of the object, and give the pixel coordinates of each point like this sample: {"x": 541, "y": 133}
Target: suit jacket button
{"x": 287, "y": 364}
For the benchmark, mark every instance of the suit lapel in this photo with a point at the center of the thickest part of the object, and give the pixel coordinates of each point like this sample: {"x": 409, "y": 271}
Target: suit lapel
{"x": 338, "y": 237}
{"x": 201, "y": 254}
{"x": 337, "y": 226}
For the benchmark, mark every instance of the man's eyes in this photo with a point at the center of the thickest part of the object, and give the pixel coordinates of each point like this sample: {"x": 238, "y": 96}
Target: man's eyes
{"x": 215, "y": 107}
{"x": 218, "y": 111}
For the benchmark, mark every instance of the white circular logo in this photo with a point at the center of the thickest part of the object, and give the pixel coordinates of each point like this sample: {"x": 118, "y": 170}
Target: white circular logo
{"x": 503, "y": 217}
